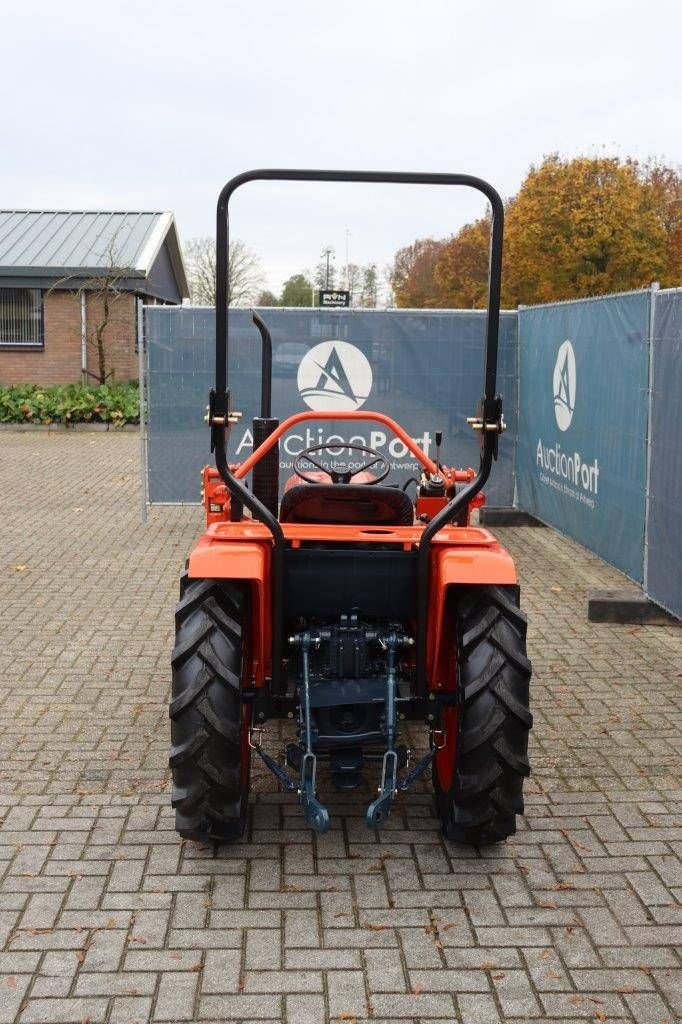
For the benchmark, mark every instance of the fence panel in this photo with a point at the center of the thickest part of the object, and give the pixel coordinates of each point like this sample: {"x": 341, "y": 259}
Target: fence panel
{"x": 663, "y": 579}
{"x": 423, "y": 368}
{"x": 581, "y": 450}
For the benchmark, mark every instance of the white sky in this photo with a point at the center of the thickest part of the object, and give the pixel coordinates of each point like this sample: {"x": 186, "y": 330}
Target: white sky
{"x": 154, "y": 105}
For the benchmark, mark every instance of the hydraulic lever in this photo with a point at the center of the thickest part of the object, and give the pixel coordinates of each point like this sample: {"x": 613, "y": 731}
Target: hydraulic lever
{"x": 379, "y": 809}
{"x": 316, "y": 814}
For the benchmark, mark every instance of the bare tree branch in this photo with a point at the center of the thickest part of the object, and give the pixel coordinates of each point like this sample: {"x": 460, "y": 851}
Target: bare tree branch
{"x": 246, "y": 278}
{"x": 105, "y": 287}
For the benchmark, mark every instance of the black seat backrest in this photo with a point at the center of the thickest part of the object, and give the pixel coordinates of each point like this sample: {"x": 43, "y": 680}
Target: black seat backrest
{"x": 346, "y": 504}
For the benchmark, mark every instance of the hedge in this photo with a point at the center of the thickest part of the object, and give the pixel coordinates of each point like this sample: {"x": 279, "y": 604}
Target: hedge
{"x": 70, "y": 403}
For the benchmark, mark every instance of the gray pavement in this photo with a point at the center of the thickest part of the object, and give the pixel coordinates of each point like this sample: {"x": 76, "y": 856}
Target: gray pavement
{"x": 106, "y": 916}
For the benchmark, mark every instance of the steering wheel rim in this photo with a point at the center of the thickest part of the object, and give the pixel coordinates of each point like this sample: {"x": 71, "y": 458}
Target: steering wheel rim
{"x": 347, "y": 476}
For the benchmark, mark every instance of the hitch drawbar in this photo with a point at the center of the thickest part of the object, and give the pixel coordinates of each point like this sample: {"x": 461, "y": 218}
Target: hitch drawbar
{"x": 316, "y": 814}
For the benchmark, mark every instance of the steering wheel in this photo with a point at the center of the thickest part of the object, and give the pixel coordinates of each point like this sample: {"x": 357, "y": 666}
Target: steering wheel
{"x": 341, "y": 476}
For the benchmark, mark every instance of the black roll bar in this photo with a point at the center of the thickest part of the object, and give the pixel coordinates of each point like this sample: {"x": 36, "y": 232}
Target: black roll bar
{"x": 488, "y": 421}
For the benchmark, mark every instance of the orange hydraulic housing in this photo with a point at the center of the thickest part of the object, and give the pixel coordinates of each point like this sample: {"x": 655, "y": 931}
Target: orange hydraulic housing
{"x": 241, "y": 548}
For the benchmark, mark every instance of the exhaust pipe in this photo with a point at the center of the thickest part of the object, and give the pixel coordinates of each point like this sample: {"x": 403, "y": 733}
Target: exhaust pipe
{"x": 265, "y": 479}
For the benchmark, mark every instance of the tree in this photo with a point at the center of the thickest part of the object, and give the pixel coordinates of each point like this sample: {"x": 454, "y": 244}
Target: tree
{"x": 104, "y": 310}
{"x": 297, "y": 291}
{"x": 368, "y": 295}
{"x": 461, "y": 271}
{"x": 412, "y": 277}
{"x": 583, "y": 227}
{"x": 267, "y": 298}
{"x": 666, "y": 184}
{"x": 352, "y": 276}
{"x": 388, "y": 293}
{"x": 576, "y": 227}
{"x": 325, "y": 271}
{"x": 245, "y": 272}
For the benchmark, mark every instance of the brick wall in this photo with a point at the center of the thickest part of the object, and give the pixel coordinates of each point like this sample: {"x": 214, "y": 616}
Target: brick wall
{"x": 119, "y": 335}
{"x": 59, "y": 362}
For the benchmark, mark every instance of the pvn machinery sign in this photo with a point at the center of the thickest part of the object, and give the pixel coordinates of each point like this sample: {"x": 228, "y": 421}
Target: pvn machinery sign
{"x": 581, "y": 457}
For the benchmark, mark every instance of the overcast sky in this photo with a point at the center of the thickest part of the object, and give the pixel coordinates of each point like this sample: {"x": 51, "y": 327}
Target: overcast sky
{"x": 154, "y": 105}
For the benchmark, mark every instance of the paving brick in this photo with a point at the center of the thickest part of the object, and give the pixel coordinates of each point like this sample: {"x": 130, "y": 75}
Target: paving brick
{"x": 478, "y": 1009}
{"x": 263, "y": 949}
{"x": 282, "y": 981}
{"x": 582, "y": 1004}
{"x": 611, "y": 980}
{"x": 64, "y": 1011}
{"x": 515, "y": 994}
{"x": 444, "y": 980}
{"x": 323, "y": 959}
{"x": 221, "y": 971}
{"x": 384, "y": 974}
{"x": 104, "y": 950}
{"x": 575, "y": 948}
{"x": 240, "y": 1007}
{"x": 301, "y": 929}
{"x": 175, "y": 999}
{"x": 204, "y": 938}
{"x": 669, "y": 982}
{"x": 50, "y": 987}
{"x": 12, "y": 990}
{"x": 130, "y": 1010}
{"x": 347, "y": 994}
{"x": 161, "y": 960}
{"x": 425, "y": 1004}
{"x": 648, "y": 1008}
{"x": 105, "y": 914}
{"x": 306, "y": 1009}
{"x": 118, "y": 983}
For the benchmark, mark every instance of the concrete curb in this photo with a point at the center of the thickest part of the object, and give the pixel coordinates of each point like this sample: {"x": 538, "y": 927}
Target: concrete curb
{"x": 627, "y": 607}
{"x": 70, "y": 428}
{"x": 507, "y": 517}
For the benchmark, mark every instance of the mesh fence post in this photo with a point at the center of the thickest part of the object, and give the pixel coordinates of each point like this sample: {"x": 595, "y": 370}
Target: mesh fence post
{"x": 142, "y": 374}
{"x": 650, "y": 401}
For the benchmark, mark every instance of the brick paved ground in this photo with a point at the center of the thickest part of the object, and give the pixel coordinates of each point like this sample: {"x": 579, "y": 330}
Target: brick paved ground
{"x": 106, "y": 916}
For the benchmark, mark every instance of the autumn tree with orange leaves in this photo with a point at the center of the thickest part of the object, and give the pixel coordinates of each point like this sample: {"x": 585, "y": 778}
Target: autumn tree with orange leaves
{"x": 461, "y": 271}
{"x": 576, "y": 227}
{"x": 413, "y": 275}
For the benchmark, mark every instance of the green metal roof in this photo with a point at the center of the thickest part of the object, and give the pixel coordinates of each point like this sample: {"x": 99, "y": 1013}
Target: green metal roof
{"x": 55, "y": 243}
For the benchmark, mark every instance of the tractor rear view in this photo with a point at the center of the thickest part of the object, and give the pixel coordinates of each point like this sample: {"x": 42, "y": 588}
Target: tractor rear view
{"x": 350, "y": 607}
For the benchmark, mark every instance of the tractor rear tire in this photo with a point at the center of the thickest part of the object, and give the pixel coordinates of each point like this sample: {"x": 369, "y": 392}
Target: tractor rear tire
{"x": 479, "y": 796}
{"x": 210, "y": 756}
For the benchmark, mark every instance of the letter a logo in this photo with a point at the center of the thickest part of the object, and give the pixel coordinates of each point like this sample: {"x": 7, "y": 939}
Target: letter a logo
{"x": 564, "y": 385}
{"x": 334, "y": 375}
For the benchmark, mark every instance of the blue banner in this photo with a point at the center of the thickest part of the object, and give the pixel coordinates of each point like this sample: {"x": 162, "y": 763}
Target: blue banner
{"x": 423, "y": 368}
{"x": 581, "y": 450}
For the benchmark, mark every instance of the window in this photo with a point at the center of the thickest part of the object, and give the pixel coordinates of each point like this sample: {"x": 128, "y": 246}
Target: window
{"x": 21, "y": 317}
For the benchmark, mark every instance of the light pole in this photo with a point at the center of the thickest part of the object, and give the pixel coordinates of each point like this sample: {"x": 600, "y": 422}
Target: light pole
{"x": 328, "y": 254}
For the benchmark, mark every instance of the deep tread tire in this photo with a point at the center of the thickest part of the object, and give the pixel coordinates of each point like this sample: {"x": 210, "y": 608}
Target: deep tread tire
{"x": 480, "y": 804}
{"x": 210, "y": 773}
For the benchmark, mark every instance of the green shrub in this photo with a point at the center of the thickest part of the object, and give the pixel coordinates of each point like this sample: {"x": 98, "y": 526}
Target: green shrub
{"x": 70, "y": 403}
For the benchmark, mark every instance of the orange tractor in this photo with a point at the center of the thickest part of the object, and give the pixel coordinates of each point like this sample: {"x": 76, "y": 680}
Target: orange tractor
{"x": 349, "y": 607}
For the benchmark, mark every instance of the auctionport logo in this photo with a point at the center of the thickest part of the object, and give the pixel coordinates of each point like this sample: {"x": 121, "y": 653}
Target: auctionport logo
{"x": 334, "y": 375}
{"x": 564, "y": 386}
{"x": 565, "y": 471}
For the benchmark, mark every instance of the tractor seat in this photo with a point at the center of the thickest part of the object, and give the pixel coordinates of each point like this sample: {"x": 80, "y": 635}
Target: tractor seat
{"x": 346, "y": 504}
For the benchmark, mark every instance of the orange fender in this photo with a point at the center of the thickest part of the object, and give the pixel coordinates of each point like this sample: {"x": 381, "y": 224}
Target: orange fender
{"x": 472, "y": 565}
{"x": 242, "y": 560}
{"x": 458, "y": 566}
